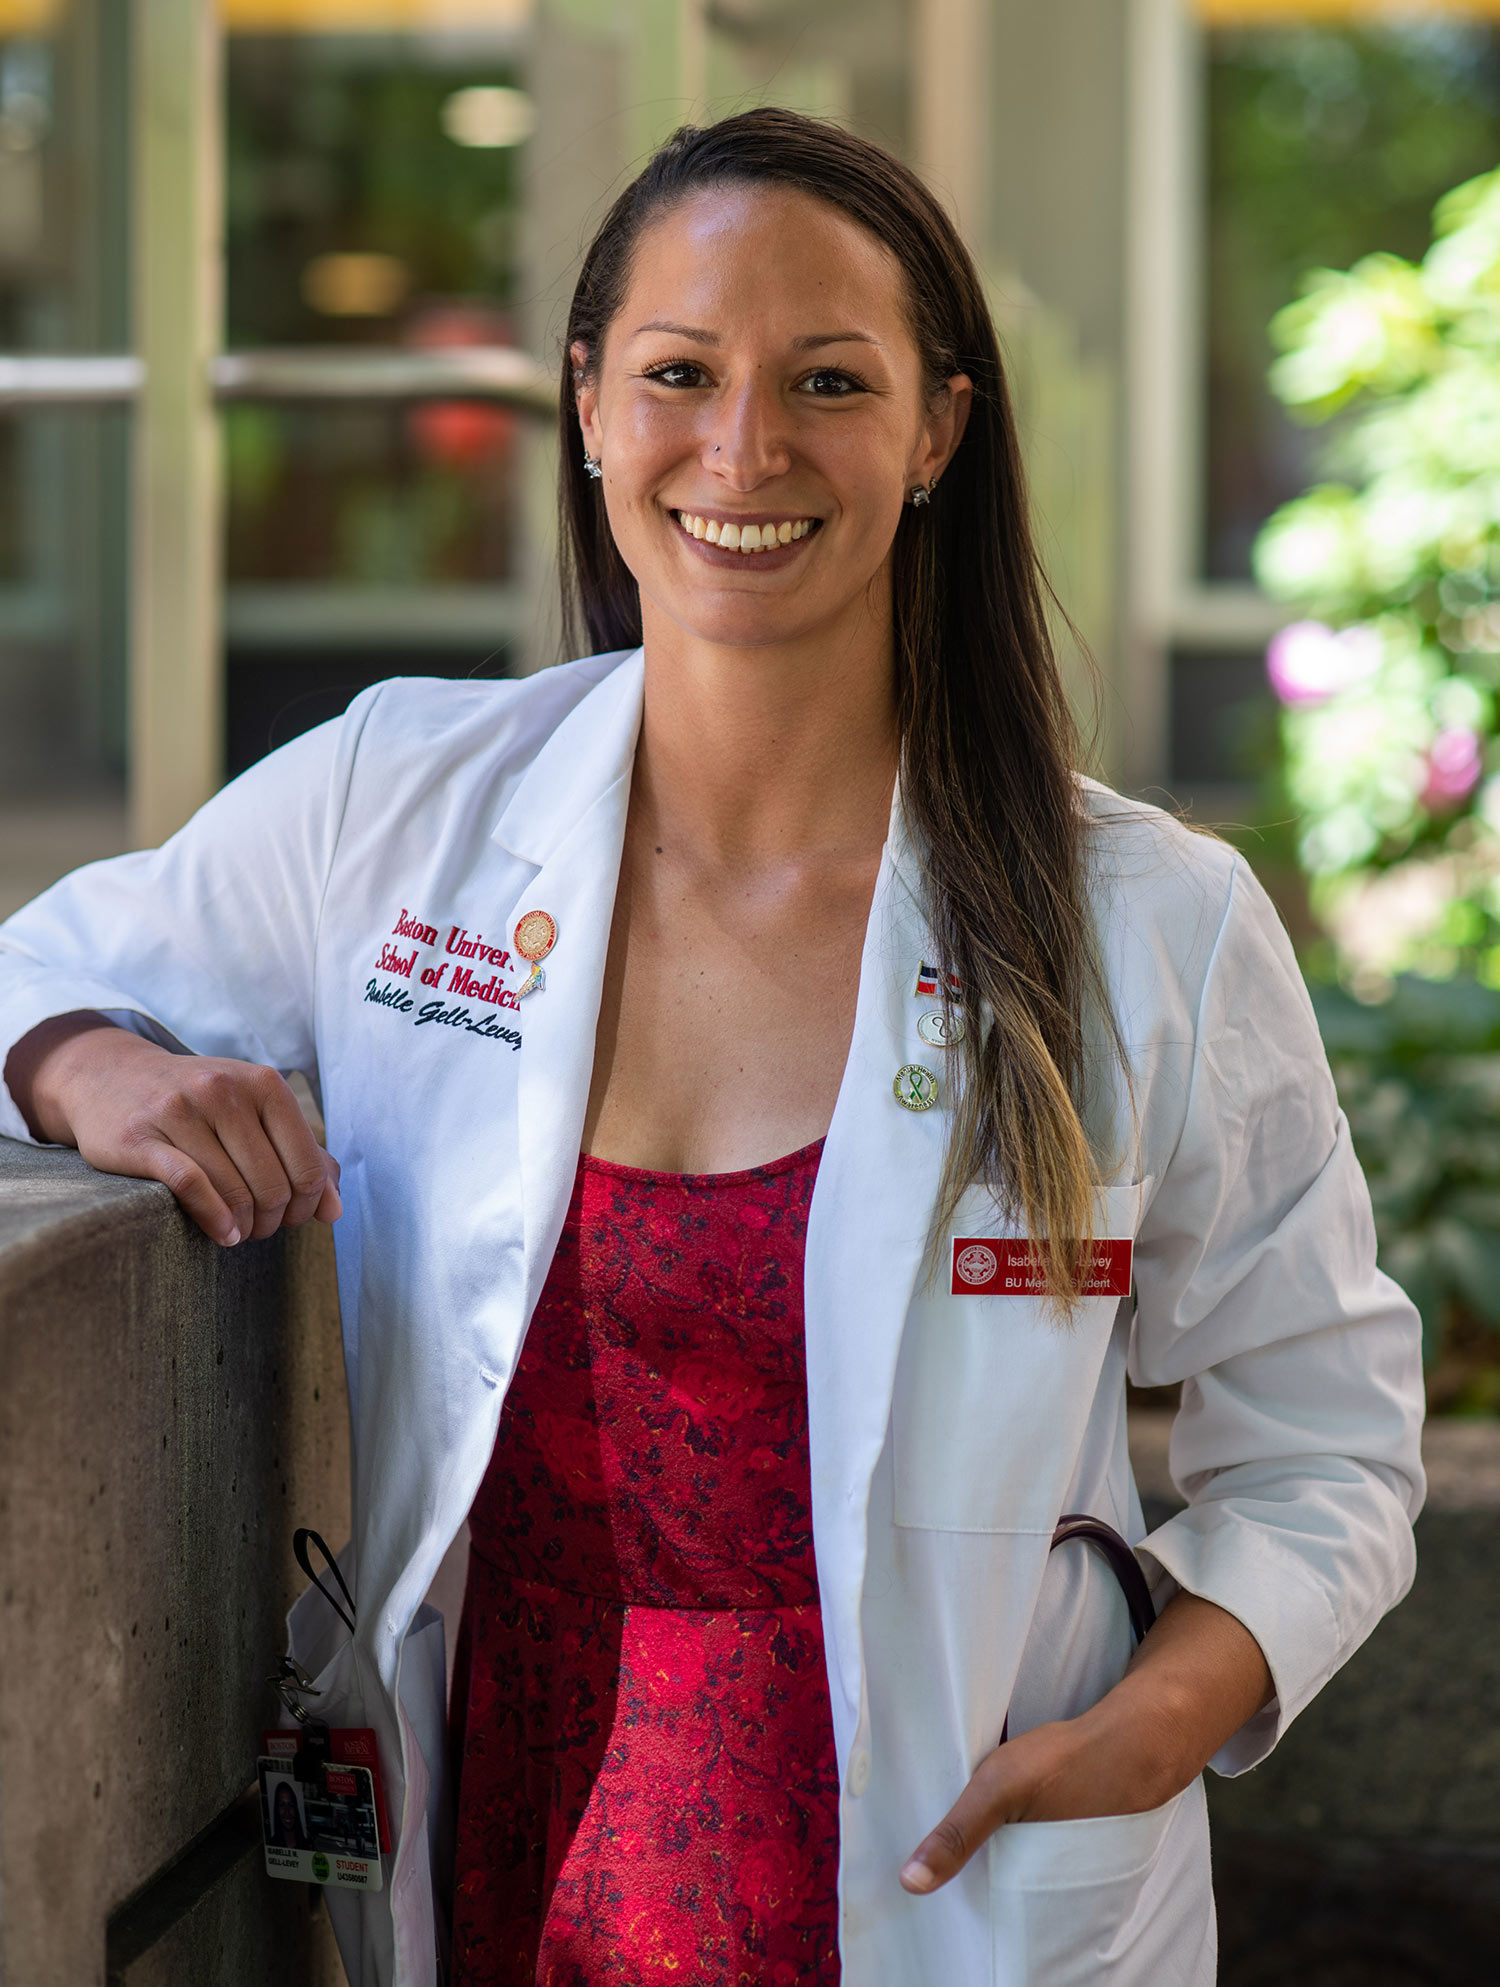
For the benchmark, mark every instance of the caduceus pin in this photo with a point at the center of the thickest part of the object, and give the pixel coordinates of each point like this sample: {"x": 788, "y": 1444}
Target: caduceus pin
{"x": 536, "y": 934}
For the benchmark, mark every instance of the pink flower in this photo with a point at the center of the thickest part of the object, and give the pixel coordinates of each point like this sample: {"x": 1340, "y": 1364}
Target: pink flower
{"x": 1310, "y": 662}
{"x": 1455, "y": 761}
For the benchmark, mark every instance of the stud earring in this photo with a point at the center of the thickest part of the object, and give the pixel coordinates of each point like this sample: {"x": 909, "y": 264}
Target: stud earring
{"x": 921, "y": 493}
{"x": 593, "y": 465}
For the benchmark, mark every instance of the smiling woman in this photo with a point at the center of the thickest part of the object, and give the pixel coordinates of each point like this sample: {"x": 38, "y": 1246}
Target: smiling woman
{"x": 879, "y": 1092}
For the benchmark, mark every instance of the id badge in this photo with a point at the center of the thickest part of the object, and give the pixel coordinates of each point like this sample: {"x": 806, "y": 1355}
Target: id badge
{"x": 348, "y": 1745}
{"x": 322, "y": 1810}
{"x": 321, "y": 1831}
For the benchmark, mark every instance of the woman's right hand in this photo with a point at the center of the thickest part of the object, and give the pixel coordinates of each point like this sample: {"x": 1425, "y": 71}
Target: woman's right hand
{"x": 228, "y": 1138}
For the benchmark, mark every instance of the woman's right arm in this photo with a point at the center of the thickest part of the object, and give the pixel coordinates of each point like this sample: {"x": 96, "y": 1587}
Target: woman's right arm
{"x": 228, "y": 1138}
{"x": 148, "y": 1003}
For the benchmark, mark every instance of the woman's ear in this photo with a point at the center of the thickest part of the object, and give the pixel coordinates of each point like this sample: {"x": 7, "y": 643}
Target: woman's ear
{"x": 946, "y": 421}
{"x": 586, "y": 393}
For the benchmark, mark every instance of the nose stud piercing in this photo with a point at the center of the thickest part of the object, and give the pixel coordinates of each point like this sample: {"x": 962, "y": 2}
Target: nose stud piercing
{"x": 593, "y": 465}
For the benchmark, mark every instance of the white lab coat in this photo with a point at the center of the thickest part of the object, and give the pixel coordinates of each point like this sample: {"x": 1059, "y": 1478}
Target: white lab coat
{"x": 947, "y": 1433}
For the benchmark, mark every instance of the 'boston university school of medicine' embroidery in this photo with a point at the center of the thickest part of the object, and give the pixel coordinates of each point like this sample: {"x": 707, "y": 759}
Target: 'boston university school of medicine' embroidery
{"x": 453, "y": 981}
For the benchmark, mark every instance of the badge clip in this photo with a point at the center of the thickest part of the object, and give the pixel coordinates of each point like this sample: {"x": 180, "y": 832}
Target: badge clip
{"x": 291, "y": 1684}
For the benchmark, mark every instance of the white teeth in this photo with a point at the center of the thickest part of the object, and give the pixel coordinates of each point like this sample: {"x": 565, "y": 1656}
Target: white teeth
{"x": 744, "y": 537}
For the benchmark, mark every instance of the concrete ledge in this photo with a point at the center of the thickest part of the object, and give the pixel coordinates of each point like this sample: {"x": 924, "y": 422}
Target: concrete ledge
{"x": 169, "y": 1412}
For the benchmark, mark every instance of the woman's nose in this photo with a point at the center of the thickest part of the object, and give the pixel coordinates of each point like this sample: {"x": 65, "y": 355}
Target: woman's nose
{"x": 747, "y": 441}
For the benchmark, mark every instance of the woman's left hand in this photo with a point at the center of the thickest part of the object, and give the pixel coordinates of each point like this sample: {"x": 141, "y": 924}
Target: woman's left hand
{"x": 1197, "y": 1677}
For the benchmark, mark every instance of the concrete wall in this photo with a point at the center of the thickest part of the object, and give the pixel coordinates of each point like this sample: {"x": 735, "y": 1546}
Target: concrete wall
{"x": 168, "y": 1414}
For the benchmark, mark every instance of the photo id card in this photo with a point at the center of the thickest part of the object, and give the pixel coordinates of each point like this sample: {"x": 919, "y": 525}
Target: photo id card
{"x": 349, "y": 1745}
{"x": 322, "y": 1831}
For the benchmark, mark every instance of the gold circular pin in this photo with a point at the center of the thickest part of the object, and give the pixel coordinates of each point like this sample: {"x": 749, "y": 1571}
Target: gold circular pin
{"x": 939, "y": 1030}
{"x": 916, "y": 1088}
{"x": 536, "y": 934}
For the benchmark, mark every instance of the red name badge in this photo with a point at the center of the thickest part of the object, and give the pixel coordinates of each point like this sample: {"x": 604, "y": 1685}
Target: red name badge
{"x": 1013, "y": 1266}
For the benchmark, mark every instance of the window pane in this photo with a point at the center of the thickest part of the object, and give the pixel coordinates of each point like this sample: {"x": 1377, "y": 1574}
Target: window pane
{"x": 371, "y": 192}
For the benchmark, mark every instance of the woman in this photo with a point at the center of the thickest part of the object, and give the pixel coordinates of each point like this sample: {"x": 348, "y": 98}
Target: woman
{"x": 743, "y": 1007}
{"x": 286, "y": 1830}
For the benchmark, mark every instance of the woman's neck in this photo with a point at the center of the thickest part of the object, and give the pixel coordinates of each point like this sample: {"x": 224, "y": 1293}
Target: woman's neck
{"x": 760, "y": 754}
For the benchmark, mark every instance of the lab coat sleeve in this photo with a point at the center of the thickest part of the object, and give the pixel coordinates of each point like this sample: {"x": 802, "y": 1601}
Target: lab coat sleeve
{"x": 207, "y": 943}
{"x": 1297, "y": 1444}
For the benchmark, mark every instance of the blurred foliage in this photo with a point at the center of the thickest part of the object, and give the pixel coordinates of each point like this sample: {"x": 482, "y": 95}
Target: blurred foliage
{"x": 1419, "y": 1076}
{"x": 1390, "y": 691}
{"x": 1324, "y": 142}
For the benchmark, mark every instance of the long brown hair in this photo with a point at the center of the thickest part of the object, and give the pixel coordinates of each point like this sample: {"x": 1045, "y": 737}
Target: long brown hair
{"x": 987, "y": 738}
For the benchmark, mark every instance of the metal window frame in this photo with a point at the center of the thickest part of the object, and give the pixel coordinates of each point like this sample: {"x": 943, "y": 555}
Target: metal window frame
{"x": 496, "y": 373}
{"x": 1169, "y": 605}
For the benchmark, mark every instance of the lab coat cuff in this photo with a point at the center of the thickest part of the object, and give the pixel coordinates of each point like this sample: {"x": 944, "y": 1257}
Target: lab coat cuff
{"x": 1272, "y": 1592}
{"x": 44, "y": 995}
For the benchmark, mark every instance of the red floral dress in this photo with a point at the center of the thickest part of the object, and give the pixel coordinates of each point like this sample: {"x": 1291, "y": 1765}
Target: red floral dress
{"x": 643, "y": 1739}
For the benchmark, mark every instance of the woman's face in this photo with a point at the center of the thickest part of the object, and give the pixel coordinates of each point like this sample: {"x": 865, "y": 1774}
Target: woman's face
{"x": 760, "y": 373}
{"x": 286, "y": 1813}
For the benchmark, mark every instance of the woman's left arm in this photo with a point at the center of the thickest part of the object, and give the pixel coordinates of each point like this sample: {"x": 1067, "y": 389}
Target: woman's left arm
{"x": 1297, "y": 1445}
{"x": 1194, "y": 1681}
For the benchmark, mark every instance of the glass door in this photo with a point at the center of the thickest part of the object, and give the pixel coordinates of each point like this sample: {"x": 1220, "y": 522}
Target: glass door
{"x": 64, "y": 437}
{"x": 207, "y": 544}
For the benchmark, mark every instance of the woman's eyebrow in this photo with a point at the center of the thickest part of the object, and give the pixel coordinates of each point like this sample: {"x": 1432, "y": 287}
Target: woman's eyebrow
{"x": 700, "y": 336}
{"x": 817, "y": 338}
{"x": 693, "y": 331}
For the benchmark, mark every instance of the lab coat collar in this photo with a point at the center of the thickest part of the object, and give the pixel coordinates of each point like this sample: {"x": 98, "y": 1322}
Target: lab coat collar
{"x": 567, "y": 816}
{"x": 867, "y": 1241}
{"x": 588, "y": 754}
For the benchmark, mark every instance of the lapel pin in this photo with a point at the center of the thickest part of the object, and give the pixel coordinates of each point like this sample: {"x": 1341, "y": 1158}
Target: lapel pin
{"x": 929, "y": 981}
{"x": 536, "y": 934}
{"x": 915, "y": 1087}
{"x": 939, "y": 1030}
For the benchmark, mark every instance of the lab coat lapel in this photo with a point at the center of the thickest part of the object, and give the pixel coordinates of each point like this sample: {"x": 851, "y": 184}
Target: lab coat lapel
{"x": 568, "y": 818}
{"x": 866, "y": 1244}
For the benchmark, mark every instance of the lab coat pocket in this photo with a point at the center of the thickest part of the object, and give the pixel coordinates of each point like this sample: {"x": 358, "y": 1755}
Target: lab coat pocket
{"x": 993, "y": 1393}
{"x": 1115, "y": 1901}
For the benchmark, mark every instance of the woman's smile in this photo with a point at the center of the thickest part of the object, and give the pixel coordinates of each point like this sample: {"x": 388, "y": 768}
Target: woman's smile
{"x": 764, "y": 541}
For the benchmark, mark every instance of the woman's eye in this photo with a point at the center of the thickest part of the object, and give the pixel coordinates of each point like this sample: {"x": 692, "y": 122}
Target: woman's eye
{"x": 832, "y": 385}
{"x": 678, "y": 372}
